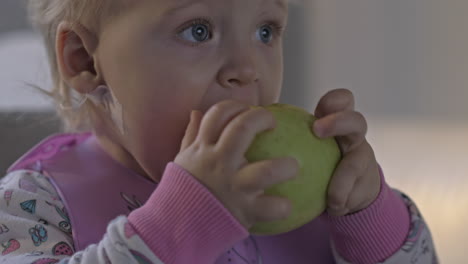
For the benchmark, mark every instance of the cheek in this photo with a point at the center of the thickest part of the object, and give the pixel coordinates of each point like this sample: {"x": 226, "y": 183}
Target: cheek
{"x": 155, "y": 131}
{"x": 276, "y": 64}
{"x": 151, "y": 85}
{"x": 273, "y": 78}
{"x": 156, "y": 114}
{"x": 155, "y": 141}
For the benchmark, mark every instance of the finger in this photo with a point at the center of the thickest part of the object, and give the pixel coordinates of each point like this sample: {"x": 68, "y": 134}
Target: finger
{"x": 366, "y": 190}
{"x": 337, "y": 212}
{"x": 258, "y": 176}
{"x": 359, "y": 198}
{"x": 347, "y": 173}
{"x": 192, "y": 129}
{"x": 217, "y": 117}
{"x": 335, "y": 101}
{"x": 241, "y": 131}
{"x": 271, "y": 208}
{"x": 349, "y": 127}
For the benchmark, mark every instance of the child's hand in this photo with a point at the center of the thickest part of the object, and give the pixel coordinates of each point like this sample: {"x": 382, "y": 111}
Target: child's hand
{"x": 213, "y": 151}
{"x": 356, "y": 181}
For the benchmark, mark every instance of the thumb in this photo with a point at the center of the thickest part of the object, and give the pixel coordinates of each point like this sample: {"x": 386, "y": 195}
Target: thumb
{"x": 192, "y": 129}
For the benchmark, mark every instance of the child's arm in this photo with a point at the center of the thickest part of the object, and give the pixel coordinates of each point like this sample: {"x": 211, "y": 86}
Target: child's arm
{"x": 32, "y": 230}
{"x": 390, "y": 231}
{"x": 370, "y": 223}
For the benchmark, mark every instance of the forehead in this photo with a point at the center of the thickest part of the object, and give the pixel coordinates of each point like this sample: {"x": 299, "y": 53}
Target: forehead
{"x": 172, "y": 5}
{"x": 155, "y": 11}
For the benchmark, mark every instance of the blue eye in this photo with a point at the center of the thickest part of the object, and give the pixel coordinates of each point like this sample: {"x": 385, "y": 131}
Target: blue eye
{"x": 269, "y": 31}
{"x": 265, "y": 34}
{"x": 198, "y": 31}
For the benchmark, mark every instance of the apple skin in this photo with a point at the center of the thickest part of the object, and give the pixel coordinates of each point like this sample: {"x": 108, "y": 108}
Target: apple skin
{"x": 318, "y": 158}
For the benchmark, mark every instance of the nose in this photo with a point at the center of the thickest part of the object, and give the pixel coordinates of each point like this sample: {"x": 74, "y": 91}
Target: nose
{"x": 239, "y": 68}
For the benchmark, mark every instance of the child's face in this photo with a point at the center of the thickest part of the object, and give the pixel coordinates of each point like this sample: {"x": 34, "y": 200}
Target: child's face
{"x": 161, "y": 64}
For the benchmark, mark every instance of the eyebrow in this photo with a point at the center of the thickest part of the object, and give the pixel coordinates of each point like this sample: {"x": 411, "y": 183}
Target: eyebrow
{"x": 279, "y": 3}
{"x": 173, "y": 10}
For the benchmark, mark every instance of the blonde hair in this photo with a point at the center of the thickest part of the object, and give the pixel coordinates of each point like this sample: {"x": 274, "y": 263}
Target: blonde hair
{"x": 46, "y": 15}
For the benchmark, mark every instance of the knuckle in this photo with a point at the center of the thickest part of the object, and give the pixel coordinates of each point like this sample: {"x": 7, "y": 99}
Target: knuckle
{"x": 355, "y": 167}
{"x": 222, "y": 106}
{"x": 284, "y": 208}
{"x": 219, "y": 108}
{"x": 269, "y": 118}
{"x": 327, "y": 100}
{"x": 291, "y": 166}
{"x": 259, "y": 115}
{"x": 335, "y": 199}
{"x": 266, "y": 117}
{"x": 228, "y": 104}
{"x": 360, "y": 116}
{"x": 362, "y": 120}
{"x": 334, "y": 121}
{"x": 241, "y": 128}
{"x": 347, "y": 144}
{"x": 266, "y": 171}
{"x": 196, "y": 147}
{"x": 260, "y": 112}
{"x": 342, "y": 95}
{"x": 345, "y": 92}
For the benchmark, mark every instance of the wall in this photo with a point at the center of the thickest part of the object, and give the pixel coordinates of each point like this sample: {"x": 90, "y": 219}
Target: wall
{"x": 12, "y": 15}
{"x": 407, "y": 63}
{"x": 404, "y": 59}
{"x": 22, "y": 60}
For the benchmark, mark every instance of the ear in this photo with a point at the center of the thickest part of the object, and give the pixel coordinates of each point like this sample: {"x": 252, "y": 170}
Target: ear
{"x": 75, "y": 46}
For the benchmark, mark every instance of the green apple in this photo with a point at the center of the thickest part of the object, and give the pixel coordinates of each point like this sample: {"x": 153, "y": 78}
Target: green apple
{"x": 318, "y": 158}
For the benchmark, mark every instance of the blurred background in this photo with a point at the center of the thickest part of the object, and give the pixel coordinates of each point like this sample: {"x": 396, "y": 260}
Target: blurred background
{"x": 406, "y": 62}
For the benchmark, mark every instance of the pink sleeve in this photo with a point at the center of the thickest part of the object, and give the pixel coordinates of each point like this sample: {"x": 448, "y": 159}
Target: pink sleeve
{"x": 375, "y": 233}
{"x": 182, "y": 222}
